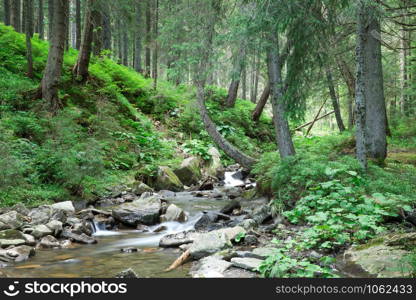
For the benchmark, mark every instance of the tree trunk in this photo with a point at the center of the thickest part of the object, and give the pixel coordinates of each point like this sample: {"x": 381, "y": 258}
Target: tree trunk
{"x": 235, "y": 82}
{"x": 16, "y": 21}
{"x": 78, "y": 24}
{"x": 106, "y": 28}
{"x": 244, "y": 83}
{"x": 23, "y": 17}
{"x": 41, "y": 27}
{"x": 138, "y": 40}
{"x": 125, "y": 48}
{"x": 261, "y": 103}
{"x": 80, "y": 69}
{"x": 334, "y": 99}
{"x": 7, "y": 12}
{"x": 97, "y": 21}
{"x": 349, "y": 79}
{"x": 52, "y": 74}
{"x": 156, "y": 46}
{"x": 283, "y": 137}
{"x": 375, "y": 106}
{"x": 148, "y": 38}
{"x": 50, "y": 18}
{"x": 28, "y": 7}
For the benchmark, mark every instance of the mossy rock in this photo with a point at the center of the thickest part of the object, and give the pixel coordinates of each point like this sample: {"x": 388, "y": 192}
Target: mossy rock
{"x": 189, "y": 171}
{"x": 166, "y": 179}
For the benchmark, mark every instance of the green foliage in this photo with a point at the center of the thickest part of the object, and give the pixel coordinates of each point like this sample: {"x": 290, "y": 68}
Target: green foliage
{"x": 282, "y": 265}
{"x": 197, "y": 147}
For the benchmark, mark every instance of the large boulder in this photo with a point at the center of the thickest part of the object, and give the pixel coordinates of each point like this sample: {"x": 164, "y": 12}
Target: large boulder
{"x": 173, "y": 213}
{"x": 39, "y": 231}
{"x": 189, "y": 172}
{"x": 66, "y": 206}
{"x": 177, "y": 239}
{"x": 49, "y": 242}
{"x": 214, "y": 167}
{"x": 209, "y": 243}
{"x": 140, "y": 188}
{"x": 11, "y": 237}
{"x": 45, "y": 213}
{"x": 55, "y": 226}
{"x": 166, "y": 179}
{"x": 11, "y": 220}
{"x": 143, "y": 211}
{"x": 210, "y": 267}
{"x": 385, "y": 256}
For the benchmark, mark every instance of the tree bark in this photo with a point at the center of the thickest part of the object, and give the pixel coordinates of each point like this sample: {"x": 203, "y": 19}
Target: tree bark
{"x": 349, "y": 79}
{"x": 41, "y": 27}
{"x": 283, "y": 137}
{"x": 51, "y": 10}
{"x": 148, "y": 38}
{"x": 16, "y": 21}
{"x": 78, "y": 24}
{"x": 236, "y": 75}
{"x": 80, "y": 69}
{"x": 53, "y": 70}
{"x": 106, "y": 28}
{"x": 156, "y": 46}
{"x": 125, "y": 48}
{"x": 261, "y": 103}
{"x": 138, "y": 40}
{"x": 97, "y": 36}
{"x": 28, "y": 6}
{"x": 334, "y": 98}
{"x": 7, "y": 12}
{"x": 244, "y": 83}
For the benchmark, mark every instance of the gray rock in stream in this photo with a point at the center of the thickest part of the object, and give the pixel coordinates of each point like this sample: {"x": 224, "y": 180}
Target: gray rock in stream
{"x": 49, "y": 242}
{"x": 173, "y": 213}
{"x": 129, "y": 273}
{"x": 21, "y": 253}
{"x": 78, "y": 238}
{"x": 177, "y": 239}
{"x": 246, "y": 263}
{"x": 143, "y": 211}
{"x": 210, "y": 267}
{"x": 11, "y": 220}
{"x": 11, "y": 237}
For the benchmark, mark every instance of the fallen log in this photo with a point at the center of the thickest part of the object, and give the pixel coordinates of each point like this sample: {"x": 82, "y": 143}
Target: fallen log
{"x": 309, "y": 123}
{"x": 179, "y": 261}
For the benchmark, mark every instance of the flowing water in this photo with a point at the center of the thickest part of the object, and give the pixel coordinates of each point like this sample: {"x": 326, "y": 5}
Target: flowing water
{"x": 105, "y": 258}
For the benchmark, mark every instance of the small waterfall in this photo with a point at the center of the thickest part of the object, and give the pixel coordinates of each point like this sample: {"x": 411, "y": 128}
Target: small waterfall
{"x": 100, "y": 230}
{"x": 230, "y": 181}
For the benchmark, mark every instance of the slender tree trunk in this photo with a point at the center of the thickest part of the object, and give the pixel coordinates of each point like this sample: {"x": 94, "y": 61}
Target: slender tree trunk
{"x": 236, "y": 75}
{"x": 23, "y": 17}
{"x": 283, "y": 137}
{"x": 156, "y": 46}
{"x": 7, "y": 12}
{"x": 106, "y": 28}
{"x": 148, "y": 38}
{"x": 52, "y": 74}
{"x": 16, "y": 21}
{"x": 256, "y": 78}
{"x": 138, "y": 40}
{"x": 80, "y": 69}
{"x": 28, "y": 7}
{"x": 97, "y": 22}
{"x": 261, "y": 103}
{"x": 78, "y": 23}
{"x": 334, "y": 99}
{"x": 125, "y": 48}
{"x": 244, "y": 83}
{"x": 41, "y": 27}
{"x": 349, "y": 79}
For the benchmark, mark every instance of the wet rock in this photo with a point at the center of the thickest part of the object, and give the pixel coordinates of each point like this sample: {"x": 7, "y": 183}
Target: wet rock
{"x": 246, "y": 263}
{"x": 177, "y": 239}
{"x": 83, "y": 227}
{"x": 160, "y": 229}
{"x": 78, "y": 238}
{"x": 232, "y": 205}
{"x": 55, "y": 226}
{"x": 166, "y": 179}
{"x": 262, "y": 214}
{"x": 129, "y": 273}
{"x": 43, "y": 214}
{"x": 173, "y": 213}
{"x": 140, "y": 188}
{"x": 66, "y": 206}
{"x": 65, "y": 244}
{"x": 143, "y": 211}
{"x": 11, "y": 220}
{"x": 30, "y": 239}
{"x": 185, "y": 247}
{"x": 142, "y": 228}
{"x": 250, "y": 239}
{"x": 40, "y": 231}
{"x": 248, "y": 224}
{"x": 11, "y": 237}
{"x": 164, "y": 194}
{"x": 206, "y": 221}
{"x": 71, "y": 221}
{"x": 210, "y": 267}
{"x": 21, "y": 253}
{"x": 209, "y": 243}
{"x": 128, "y": 250}
{"x": 214, "y": 167}
{"x": 48, "y": 242}
{"x": 189, "y": 172}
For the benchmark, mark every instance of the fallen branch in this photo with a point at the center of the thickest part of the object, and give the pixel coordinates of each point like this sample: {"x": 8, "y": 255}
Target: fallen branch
{"x": 309, "y": 123}
{"x": 179, "y": 261}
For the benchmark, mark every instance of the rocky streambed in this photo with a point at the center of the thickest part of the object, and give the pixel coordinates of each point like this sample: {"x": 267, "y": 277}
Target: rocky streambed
{"x": 221, "y": 231}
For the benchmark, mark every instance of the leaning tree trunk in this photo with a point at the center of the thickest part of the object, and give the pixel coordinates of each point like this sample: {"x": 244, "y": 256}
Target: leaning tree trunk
{"x": 7, "y": 12}
{"x": 80, "y": 69}
{"x": 235, "y": 82}
{"x": 53, "y": 70}
{"x": 261, "y": 103}
{"x": 211, "y": 128}
{"x": 375, "y": 106}
{"x": 283, "y": 137}
{"x": 28, "y": 6}
{"x": 334, "y": 99}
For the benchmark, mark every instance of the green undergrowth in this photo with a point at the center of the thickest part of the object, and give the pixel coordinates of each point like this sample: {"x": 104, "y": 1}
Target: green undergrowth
{"x": 323, "y": 190}
{"x": 108, "y": 130}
